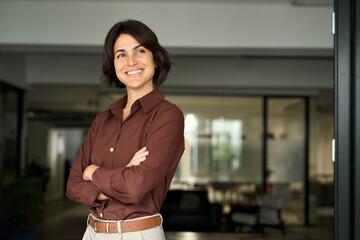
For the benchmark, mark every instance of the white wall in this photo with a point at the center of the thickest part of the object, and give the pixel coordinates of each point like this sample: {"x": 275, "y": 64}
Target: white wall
{"x": 195, "y": 24}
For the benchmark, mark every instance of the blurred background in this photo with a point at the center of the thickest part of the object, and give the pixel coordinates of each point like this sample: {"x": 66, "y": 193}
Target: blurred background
{"x": 254, "y": 79}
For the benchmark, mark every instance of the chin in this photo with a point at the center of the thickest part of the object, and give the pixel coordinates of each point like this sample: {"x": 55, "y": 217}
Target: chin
{"x": 135, "y": 86}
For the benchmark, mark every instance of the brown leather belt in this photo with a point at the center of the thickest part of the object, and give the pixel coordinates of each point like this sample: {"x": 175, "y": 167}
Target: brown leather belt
{"x": 126, "y": 226}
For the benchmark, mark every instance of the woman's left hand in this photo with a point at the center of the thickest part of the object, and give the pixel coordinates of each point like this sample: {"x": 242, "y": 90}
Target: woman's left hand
{"x": 88, "y": 172}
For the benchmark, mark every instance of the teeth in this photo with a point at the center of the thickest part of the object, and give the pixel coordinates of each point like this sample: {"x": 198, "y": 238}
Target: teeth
{"x": 134, "y": 72}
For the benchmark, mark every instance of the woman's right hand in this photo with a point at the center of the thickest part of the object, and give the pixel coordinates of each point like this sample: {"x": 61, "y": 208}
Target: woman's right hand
{"x": 101, "y": 197}
{"x": 138, "y": 157}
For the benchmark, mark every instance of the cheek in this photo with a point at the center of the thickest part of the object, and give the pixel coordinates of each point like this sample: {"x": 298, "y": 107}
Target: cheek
{"x": 151, "y": 70}
{"x": 118, "y": 71}
{"x": 150, "y": 60}
{"x": 118, "y": 67}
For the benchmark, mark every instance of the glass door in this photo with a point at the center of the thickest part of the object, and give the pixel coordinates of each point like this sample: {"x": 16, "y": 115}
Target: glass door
{"x": 286, "y": 155}
{"x": 10, "y": 126}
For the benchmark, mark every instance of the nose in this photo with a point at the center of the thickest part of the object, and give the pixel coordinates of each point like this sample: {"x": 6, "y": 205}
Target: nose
{"x": 132, "y": 60}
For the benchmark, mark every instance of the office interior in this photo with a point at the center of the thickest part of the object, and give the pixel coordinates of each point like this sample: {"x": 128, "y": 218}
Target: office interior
{"x": 254, "y": 80}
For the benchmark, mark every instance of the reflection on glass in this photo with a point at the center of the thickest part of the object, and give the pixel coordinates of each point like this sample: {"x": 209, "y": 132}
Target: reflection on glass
{"x": 321, "y": 166}
{"x": 190, "y": 134}
{"x": 222, "y": 139}
{"x": 286, "y": 155}
{"x": 226, "y": 148}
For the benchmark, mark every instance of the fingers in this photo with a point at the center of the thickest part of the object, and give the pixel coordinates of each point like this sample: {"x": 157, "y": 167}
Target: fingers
{"x": 136, "y": 161}
{"x": 141, "y": 154}
{"x": 139, "y": 157}
{"x": 101, "y": 197}
{"x": 88, "y": 172}
{"x": 141, "y": 151}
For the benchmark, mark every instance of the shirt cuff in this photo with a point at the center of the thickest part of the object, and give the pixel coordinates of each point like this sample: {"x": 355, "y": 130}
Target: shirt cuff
{"x": 89, "y": 194}
{"x": 101, "y": 178}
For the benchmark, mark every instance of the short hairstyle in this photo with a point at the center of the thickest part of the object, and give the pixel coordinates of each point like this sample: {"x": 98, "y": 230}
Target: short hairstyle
{"x": 146, "y": 37}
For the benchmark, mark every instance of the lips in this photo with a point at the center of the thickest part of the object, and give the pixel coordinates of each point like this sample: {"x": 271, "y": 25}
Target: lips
{"x": 135, "y": 72}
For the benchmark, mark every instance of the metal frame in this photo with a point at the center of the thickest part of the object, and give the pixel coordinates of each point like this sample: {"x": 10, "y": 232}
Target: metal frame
{"x": 306, "y": 159}
{"x": 356, "y": 121}
{"x": 347, "y": 119}
{"x": 264, "y": 143}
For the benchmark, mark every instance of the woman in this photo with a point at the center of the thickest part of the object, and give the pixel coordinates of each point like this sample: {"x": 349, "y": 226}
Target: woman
{"x": 130, "y": 154}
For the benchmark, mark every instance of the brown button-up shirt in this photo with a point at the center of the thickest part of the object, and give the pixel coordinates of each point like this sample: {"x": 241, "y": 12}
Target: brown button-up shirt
{"x": 111, "y": 143}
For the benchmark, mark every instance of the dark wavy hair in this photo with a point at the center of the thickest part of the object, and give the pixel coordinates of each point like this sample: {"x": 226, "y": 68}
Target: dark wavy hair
{"x": 147, "y": 38}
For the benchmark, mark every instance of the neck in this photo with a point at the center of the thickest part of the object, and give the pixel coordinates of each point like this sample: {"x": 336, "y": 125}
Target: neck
{"x": 133, "y": 95}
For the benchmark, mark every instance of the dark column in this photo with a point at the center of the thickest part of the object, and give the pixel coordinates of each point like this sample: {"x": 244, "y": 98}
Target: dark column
{"x": 265, "y": 172}
{"x": 347, "y": 119}
{"x": 306, "y": 154}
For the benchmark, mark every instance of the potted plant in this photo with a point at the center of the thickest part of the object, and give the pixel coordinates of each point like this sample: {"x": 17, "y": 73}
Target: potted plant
{"x": 20, "y": 196}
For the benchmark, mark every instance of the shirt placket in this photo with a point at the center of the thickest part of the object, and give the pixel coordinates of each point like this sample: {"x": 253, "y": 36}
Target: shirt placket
{"x": 112, "y": 149}
{"x": 101, "y": 215}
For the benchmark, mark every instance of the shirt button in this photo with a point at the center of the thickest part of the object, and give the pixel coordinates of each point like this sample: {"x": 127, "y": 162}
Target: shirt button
{"x": 111, "y": 149}
{"x": 101, "y": 215}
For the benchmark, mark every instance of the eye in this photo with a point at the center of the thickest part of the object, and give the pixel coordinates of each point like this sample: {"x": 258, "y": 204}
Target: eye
{"x": 140, "y": 51}
{"x": 121, "y": 55}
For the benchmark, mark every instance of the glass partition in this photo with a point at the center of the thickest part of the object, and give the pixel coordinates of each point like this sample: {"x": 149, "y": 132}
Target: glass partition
{"x": 224, "y": 149}
{"x": 222, "y": 140}
{"x": 285, "y": 156}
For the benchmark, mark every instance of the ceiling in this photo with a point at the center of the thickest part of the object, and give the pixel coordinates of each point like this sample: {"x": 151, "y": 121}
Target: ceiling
{"x": 181, "y": 51}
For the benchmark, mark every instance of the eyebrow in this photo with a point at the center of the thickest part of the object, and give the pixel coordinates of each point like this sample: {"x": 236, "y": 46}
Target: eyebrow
{"x": 123, "y": 50}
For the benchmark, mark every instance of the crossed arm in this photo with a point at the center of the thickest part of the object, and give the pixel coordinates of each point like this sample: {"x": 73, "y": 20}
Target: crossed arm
{"x": 91, "y": 184}
{"x": 138, "y": 157}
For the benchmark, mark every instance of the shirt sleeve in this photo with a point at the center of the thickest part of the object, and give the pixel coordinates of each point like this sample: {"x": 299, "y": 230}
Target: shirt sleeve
{"x": 165, "y": 143}
{"x": 79, "y": 190}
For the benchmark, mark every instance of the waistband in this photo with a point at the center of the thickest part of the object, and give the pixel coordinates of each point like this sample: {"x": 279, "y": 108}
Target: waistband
{"x": 122, "y": 226}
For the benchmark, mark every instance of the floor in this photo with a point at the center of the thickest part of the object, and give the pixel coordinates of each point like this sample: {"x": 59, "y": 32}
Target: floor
{"x": 66, "y": 220}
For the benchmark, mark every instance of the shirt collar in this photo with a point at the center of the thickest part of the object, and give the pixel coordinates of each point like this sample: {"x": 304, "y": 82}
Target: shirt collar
{"x": 150, "y": 100}
{"x": 147, "y": 103}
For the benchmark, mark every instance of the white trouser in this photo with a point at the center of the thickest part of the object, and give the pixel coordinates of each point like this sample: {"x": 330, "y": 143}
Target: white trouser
{"x": 156, "y": 233}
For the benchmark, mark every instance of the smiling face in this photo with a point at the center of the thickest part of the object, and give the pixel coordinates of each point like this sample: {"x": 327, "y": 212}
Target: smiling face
{"x": 134, "y": 64}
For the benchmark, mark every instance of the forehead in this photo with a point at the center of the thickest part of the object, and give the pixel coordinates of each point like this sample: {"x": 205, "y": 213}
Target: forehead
{"x": 125, "y": 41}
